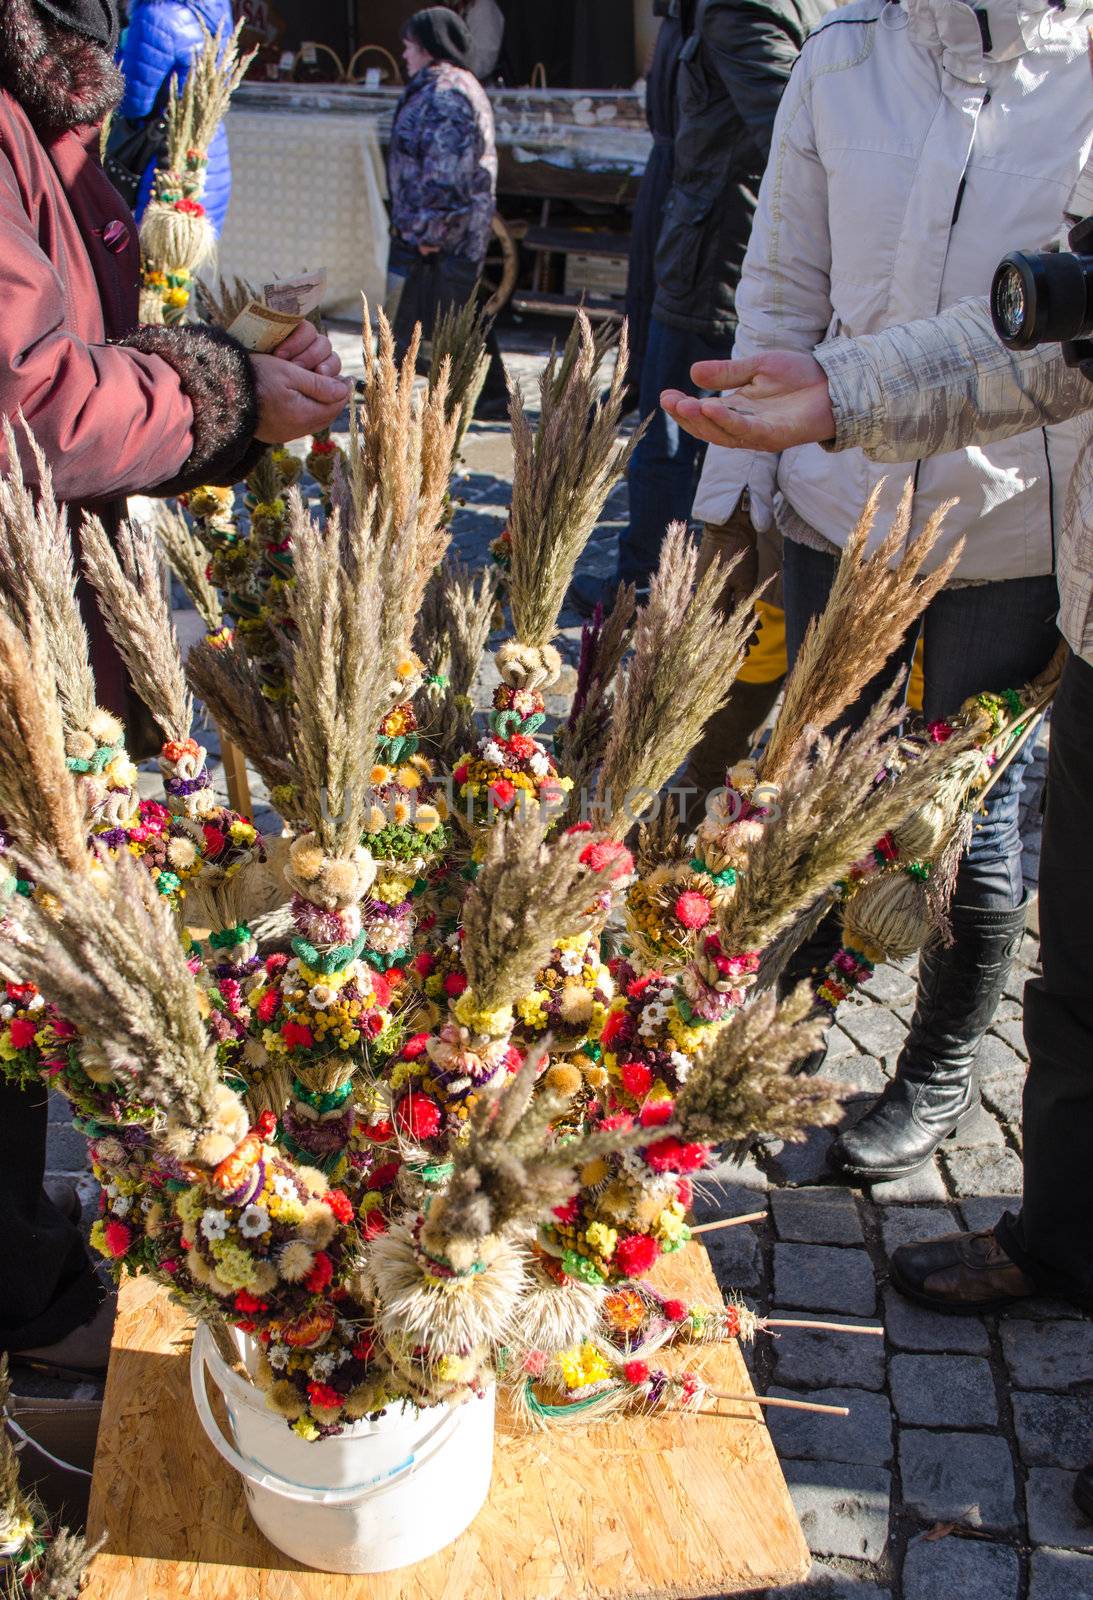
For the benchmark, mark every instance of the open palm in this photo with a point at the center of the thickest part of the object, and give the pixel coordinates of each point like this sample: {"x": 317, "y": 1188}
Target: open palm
{"x": 769, "y": 402}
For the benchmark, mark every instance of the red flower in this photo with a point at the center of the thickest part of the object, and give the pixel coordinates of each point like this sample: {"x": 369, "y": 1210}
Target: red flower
{"x": 323, "y": 1397}
{"x": 190, "y": 208}
{"x": 603, "y": 853}
{"x": 372, "y": 1023}
{"x": 670, "y": 1155}
{"x": 521, "y": 746}
{"x": 267, "y": 1006}
{"x": 675, "y": 1310}
{"x": 636, "y": 1253}
{"x": 381, "y": 989}
{"x": 693, "y": 909}
{"x": 656, "y": 1113}
{"x": 245, "y": 1325}
{"x": 503, "y": 792}
{"x": 247, "y": 1302}
{"x": 340, "y": 1203}
{"x": 320, "y": 1274}
{"x": 266, "y": 1125}
{"x": 365, "y": 1345}
{"x": 414, "y": 1046}
{"x": 620, "y": 1120}
{"x": 637, "y": 988}
{"x": 297, "y": 1035}
{"x": 215, "y": 841}
{"x": 580, "y": 827}
{"x": 732, "y": 1322}
{"x": 22, "y": 1033}
{"x": 384, "y": 1176}
{"x": 117, "y": 1237}
{"x": 611, "y": 1028}
{"x": 275, "y": 962}
{"x": 379, "y": 1132}
{"x": 375, "y": 1222}
{"x": 568, "y": 1213}
{"x": 635, "y": 1371}
{"x": 460, "y": 773}
{"x": 418, "y": 1116}
{"x": 454, "y": 985}
{"x": 423, "y": 964}
{"x": 685, "y": 1193}
{"x": 637, "y": 1079}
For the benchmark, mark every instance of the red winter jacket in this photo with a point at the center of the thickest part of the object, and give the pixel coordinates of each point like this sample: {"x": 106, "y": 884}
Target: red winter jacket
{"x": 165, "y": 410}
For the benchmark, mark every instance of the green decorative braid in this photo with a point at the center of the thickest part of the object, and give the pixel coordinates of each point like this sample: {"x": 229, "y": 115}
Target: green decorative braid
{"x": 383, "y": 963}
{"x": 918, "y": 869}
{"x": 726, "y": 877}
{"x": 437, "y": 680}
{"x": 228, "y": 938}
{"x": 168, "y": 882}
{"x": 539, "y": 1409}
{"x": 578, "y": 1266}
{"x": 96, "y": 763}
{"x": 506, "y": 723}
{"x": 334, "y": 960}
{"x": 333, "y": 1100}
{"x": 398, "y": 747}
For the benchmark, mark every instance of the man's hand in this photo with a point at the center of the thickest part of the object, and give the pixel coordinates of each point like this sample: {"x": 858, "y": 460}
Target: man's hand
{"x": 778, "y": 399}
{"x": 307, "y": 347}
{"x": 292, "y": 400}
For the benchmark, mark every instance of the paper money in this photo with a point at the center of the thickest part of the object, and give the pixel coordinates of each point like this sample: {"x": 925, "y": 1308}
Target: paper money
{"x": 299, "y": 295}
{"x": 260, "y": 328}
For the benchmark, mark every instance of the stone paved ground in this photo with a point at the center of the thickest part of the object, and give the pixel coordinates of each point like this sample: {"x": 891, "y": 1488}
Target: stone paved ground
{"x": 950, "y": 1480}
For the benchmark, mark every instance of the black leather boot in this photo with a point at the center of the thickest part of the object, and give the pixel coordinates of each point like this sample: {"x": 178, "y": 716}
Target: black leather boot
{"x": 809, "y": 962}
{"x": 934, "y": 1091}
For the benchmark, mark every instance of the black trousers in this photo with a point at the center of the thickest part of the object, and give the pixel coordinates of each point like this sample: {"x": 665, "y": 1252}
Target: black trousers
{"x": 421, "y": 288}
{"x": 1052, "y": 1236}
{"x": 48, "y": 1286}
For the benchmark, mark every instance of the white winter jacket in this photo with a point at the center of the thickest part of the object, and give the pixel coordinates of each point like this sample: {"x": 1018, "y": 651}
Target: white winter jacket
{"x": 916, "y": 144}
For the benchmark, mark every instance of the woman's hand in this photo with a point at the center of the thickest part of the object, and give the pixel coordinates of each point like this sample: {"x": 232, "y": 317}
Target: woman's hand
{"x": 307, "y": 347}
{"x": 778, "y": 399}
{"x": 293, "y": 400}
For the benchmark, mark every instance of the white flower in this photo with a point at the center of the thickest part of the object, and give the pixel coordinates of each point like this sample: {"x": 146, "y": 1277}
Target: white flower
{"x": 493, "y": 753}
{"x": 539, "y": 764}
{"x": 277, "y": 1355}
{"x": 571, "y": 962}
{"x": 122, "y": 1206}
{"x": 7, "y": 1011}
{"x": 283, "y": 1186}
{"x": 681, "y": 1065}
{"x": 323, "y": 1365}
{"x": 214, "y": 1225}
{"x": 651, "y": 1018}
{"x": 322, "y": 995}
{"x": 36, "y": 1002}
{"x": 254, "y": 1222}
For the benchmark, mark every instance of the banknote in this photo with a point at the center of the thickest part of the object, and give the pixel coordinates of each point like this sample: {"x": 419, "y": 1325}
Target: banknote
{"x": 261, "y": 329}
{"x": 299, "y": 295}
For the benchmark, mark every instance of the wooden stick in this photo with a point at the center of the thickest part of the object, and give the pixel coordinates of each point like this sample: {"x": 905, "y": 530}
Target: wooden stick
{"x": 728, "y": 1222}
{"x": 828, "y": 1327}
{"x": 235, "y": 774}
{"x": 771, "y": 1400}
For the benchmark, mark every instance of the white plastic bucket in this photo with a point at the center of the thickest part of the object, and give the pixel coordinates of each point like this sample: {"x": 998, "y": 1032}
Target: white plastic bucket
{"x": 381, "y": 1495}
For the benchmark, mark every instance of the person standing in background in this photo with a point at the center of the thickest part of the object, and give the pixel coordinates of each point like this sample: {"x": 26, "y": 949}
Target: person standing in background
{"x": 442, "y": 178}
{"x": 733, "y": 67}
{"x": 656, "y": 180}
{"x": 160, "y": 43}
{"x": 486, "y": 25}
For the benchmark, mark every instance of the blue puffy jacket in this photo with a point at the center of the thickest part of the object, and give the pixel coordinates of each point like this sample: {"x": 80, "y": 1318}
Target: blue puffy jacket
{"x": 162, "y": 38}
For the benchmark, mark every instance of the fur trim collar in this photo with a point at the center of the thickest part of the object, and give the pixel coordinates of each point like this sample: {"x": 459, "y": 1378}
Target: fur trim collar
{"x": 60, "y": 79}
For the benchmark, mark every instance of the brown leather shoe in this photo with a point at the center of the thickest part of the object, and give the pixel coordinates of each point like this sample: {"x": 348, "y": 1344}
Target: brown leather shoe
{"x": 964, "y": 1272}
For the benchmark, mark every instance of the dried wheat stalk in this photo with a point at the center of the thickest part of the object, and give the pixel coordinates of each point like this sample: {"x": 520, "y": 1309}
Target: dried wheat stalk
{"x": 687, "y": 653}
{"x": 128, "y": 576}
{"x": 459, "y": 337}
{"x": 188, "y": 560}
{"x": 873, "y": 601}
{"x": 527, "y": 896}
{"x": 563, "y": 471}
{"x": 580, "y": 743}
{"x": 37, "y": 794}
{"x": 340, "y": 605}
{"x": 195, "y": 111}
{"x": 222, "y": 303}
{"x": 741, "y": 1084}
{"x": 36, "y": 561}
{"x": 224, "y": 680}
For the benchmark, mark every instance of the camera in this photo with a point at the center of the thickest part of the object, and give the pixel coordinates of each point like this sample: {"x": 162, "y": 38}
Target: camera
{"x": 1046, "y": 297}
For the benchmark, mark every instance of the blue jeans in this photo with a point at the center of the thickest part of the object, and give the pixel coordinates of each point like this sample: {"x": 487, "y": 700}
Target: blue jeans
{"x": 991, "y": 636}
{"x": 664, "y": 468}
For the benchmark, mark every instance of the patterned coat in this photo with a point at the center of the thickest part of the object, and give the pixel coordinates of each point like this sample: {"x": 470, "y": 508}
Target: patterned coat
{"x": 442, "y": 165}
{"x": 948, "y": 383}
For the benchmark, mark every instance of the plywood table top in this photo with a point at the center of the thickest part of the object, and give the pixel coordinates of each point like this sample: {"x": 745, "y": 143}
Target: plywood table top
{"x": 668, "y": 1505}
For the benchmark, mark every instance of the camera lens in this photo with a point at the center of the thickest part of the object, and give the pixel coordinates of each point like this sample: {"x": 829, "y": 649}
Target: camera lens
{"x": 1042, "y": 297}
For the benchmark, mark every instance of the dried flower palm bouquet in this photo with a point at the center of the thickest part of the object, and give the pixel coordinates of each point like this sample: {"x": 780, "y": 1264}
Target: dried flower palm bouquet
{"x": 402, "y": 1128}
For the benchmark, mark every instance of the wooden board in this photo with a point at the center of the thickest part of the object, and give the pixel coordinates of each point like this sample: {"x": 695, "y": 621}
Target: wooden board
{"x": 678, "y": 1505}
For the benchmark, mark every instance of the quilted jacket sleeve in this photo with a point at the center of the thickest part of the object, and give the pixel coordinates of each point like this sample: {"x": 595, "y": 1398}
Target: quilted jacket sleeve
{"x": 160, "y": 40}
{"x": 944, "y": 383}
{"x": 112, "y": 420}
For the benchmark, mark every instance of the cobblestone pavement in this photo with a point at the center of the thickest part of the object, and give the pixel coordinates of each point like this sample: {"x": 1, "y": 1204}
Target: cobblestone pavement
{"x": 951, "y": 1477}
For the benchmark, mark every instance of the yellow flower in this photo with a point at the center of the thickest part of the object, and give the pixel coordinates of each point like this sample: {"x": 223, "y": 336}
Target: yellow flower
{"x": 409, "y": 777}
{"x": 583, "y": 1366}
{"x": 306, "y": 1429}
{"x": 688, "y": 1039}
{"x": 242, "y": 832}
{"x": 426, "y": 818}
{"x": 285, "y": 1208}
{"x": 233, "y": 1264}
{"x": 177, "y": 297}
{"x": 495, "y": 1023}
{"x": 530, "y": 1009}
{"x": 602, "y": 1239}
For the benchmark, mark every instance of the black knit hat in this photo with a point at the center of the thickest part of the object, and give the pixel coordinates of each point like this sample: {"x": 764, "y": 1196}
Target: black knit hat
{"x": 444, "y": 35}
{"x": 95, "y": 19}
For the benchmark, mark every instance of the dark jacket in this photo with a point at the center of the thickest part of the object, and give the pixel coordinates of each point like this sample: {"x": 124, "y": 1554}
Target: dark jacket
{"x": 442, "y": 163}
{"x": 161, "y": 41}
{"x": 732, "y": 71}
{"x": 165, "y": 410}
